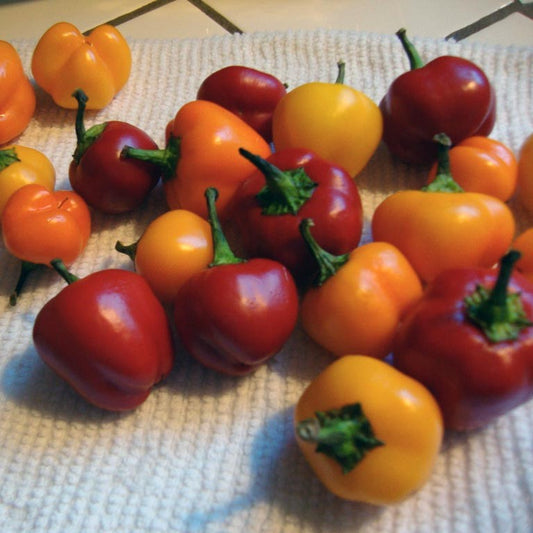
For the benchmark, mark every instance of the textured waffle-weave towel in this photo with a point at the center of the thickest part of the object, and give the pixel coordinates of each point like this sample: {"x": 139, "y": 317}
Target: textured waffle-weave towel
{"x": 208, "y": 453}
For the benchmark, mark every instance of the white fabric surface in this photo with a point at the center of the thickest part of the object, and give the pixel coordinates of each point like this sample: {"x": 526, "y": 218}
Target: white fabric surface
{"x": 208, "y": 453}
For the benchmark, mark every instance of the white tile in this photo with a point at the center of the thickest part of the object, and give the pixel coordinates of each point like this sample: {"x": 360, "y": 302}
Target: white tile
{"x": 30, "y": 19}
{"x": 420, "y": 17}
{"x": 178, "y": 19}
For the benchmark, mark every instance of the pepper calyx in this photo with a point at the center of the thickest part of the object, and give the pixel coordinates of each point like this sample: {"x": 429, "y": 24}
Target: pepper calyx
{"x": 415, "y": 61}
{"x": 328, "y": 264}
{"x": 165, "y": 158}
{"x": 343, "y": 434}
{"x": 285, "y": 191}
{"x": 85, "y": 138}
{"x": 222, "y": 253}
{"x": 499, "y": 314}
{"x": 8, "y": 156}
{"x": 443, "y": 180}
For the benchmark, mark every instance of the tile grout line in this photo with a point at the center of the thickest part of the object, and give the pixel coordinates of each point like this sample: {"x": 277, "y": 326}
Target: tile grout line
{"x": 121, "y": 19}
{"x": 486, "y": 21}
{"x": 217, "y": 17}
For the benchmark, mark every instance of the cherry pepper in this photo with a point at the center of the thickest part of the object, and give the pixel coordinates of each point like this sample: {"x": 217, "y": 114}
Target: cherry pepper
{"x": 441, "y": 226}
{"x": 202, "y": 151}
{"x": 108, "y": 182}
{"x": 249, "y": 93}
{"x": 358, "y": 298}
{"x": 236, "y": 314}
{"x": 449, "y": 94}
{"x": 107, "y": 335}
{"x": 288, "y": 186}
{"x": 469, "y": 340}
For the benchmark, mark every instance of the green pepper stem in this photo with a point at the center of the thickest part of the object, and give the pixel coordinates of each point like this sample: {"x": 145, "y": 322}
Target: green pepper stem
{"x": 128, "y": 249}
{"x": 415, "y": 61}
{"x": 328, "y": 264}
{"x": 341, "y": 66}
{"x": 443, "y": 180}
{"x": 286, "y": 191}
{"x": 84, "y": 137}
{"x": 8, "y": 156}
{"x": 62, "y": 270}
{"x": 26, "y": 268}
{"x": 343, "y": 434}
{"x": 222, "y": 253}
{"x": 498, "y": 313}
{"x": 165, "y": 158}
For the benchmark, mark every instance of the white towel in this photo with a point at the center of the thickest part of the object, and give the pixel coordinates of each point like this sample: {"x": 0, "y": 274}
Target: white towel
{"x": 208, "y": 453}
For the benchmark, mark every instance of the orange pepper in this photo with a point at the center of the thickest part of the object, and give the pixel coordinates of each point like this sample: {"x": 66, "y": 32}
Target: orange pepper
{"x": 39, "y": 225}
{"x": 19, "y": 166}
{"x": 481, "y": 164}
{"x": 203, "y": 151}
{"x": 359, "y": 297}
{"x": 525, "y": 173}
{"x": 172, "y": 248}
{"x": 437, "y": 228}
{"x": 524, "y": 244}
{"x": 65, "y": 60}
{"x": 370, "y": 433}
{"x": 17, "y": 97}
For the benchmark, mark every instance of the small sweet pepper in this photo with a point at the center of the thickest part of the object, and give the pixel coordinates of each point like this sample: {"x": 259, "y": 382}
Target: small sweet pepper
{"x": 65, "y": 60}
{"x": 107, "y": 335}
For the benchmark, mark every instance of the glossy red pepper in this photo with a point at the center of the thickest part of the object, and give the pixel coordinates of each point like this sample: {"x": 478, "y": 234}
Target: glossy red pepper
{"x": 288, "y": 186}
{"x": 236, "y": 314}
{"x": 108, "y": 182}
{"x": 249, "y": 93}
{"x": 469, "y": 340}
{"x": 449, "y": 94}
{"x": 107, "y": 335}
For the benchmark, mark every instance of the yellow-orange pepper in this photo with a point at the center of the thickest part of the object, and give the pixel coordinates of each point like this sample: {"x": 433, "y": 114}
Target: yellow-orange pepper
{"x": 203, "y": 151}
{"x": 370, "y": 433}
{"x": 172, "y": 248}
{"x": 17, "y": 97}
{"x": 359, "y": 298}
{"x": 443, "y": 226}
{"x": 482, "y": 164}
{"x": 334, "y": 120}
{"x": 525, "y": 173}
{"x": 65, "y": 60}
{"x": 19, "y": 166}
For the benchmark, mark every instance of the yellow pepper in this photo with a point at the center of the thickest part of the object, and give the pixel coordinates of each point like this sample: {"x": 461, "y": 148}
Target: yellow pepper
{"x": 340, "y": 124}
{"x": 19, "y": 166}
{"x": 369, "y": 432}
{"x": 65, "y": 60}
{"x": 173, "y": 247}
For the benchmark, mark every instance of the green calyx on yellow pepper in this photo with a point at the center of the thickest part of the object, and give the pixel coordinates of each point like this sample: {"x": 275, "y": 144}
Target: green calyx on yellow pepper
{"x": 344, "y": 129}
{"x": 441, "y": 227}
{"x": 391, "y": 430}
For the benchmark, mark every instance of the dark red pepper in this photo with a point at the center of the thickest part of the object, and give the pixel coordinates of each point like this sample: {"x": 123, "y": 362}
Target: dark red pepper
{"x": 470, "y": 342}
{"x": 108, "y": 182}
{"x": 236, "y": 314}
{"x": 249, "y": 93}
{"x": 289, "y": 186}
{"x": 107, "y": 335}
{"x": 449, "y": 94}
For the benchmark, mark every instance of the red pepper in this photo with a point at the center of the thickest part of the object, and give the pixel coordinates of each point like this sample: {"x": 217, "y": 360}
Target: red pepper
{"x": 236, "y": 314}
{"x": 108, "y": 182}
{"x": 249, "y": 93}
{"x": 469, "y": 340}
{"x": 450, "y": 94}
{"x": 107, "y": 335}
{"x": 288, "y": 186}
